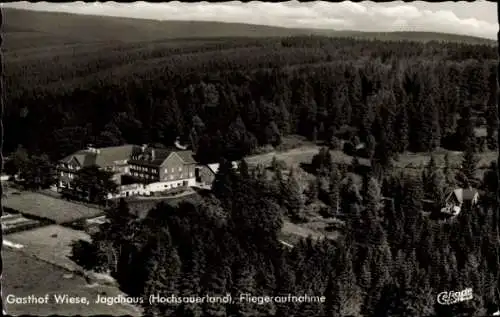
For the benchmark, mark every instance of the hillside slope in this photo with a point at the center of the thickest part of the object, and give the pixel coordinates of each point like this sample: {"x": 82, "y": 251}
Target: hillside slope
{"x": 31, "y": 29}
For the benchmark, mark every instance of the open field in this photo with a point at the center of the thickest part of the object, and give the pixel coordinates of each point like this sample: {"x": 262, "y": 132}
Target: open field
{"x": 51, "y": 244}
{"x": 24, "y": 275}
{"x": 45, "y": 207}
{"x": 315, "y": 229}
{"x": 305, "y": 153}
{"x": 415, "y": 160}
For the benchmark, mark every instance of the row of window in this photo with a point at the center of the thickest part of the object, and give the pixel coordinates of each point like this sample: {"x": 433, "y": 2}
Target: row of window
{"x": 170, "y": 177}
{"x": 142, "y": 175}
{"x": 144, "y": 172}
{"x": 174, "y": 185}
{"x": 172, "y": 170}
{"x": 154, "y": 170}
{"x": 181, "y": 176}
{"x": 70, "y": 167}
{"x": 65, "y": 184}
{"x": 69, "y": 175}
{"x": 144, "y": 169}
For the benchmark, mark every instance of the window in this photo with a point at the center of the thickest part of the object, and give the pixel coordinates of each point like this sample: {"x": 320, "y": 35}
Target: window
{"x": 190, "y": 174}
{"x": 173, "y": 169}
{"x": 180, "y": 168}
{"x": 166, "y": 171}
{"x": 171, "y": 177}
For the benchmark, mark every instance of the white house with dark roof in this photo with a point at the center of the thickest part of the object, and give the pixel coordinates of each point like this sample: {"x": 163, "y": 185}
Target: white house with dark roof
{"x": 457, "y": 198}
{"x": 157, "y": 170}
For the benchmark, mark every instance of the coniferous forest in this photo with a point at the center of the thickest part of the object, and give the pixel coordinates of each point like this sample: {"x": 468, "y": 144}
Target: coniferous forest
{"x": 228, "y": 98}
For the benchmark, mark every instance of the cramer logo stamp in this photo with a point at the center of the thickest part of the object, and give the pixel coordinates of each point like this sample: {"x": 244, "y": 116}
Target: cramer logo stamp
{"x": 453, "y": 297}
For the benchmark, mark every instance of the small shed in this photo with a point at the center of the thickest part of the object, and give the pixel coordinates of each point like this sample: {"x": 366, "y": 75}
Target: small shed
{"x": 205, "y": 174}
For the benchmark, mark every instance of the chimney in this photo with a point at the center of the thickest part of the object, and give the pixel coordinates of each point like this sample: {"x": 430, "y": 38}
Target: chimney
{"x": 91, "y": 148}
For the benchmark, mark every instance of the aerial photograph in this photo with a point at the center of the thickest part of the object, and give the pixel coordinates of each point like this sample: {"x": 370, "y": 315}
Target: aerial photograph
{"x": 292, "y": 159}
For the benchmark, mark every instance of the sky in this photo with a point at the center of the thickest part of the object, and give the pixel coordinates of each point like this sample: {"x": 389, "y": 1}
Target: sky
{"x": 478, "y": 18}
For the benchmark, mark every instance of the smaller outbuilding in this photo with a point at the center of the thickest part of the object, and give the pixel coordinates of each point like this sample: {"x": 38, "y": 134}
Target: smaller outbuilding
{"x": 457, "y": 198}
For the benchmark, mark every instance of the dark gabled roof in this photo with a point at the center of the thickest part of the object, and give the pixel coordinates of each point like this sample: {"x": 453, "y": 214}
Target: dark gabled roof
{"x": 83, "y": 157}
{"x": 160, "y": 155}
{"x": 104, "y": 157}
{"x": 186, "y": 156}
{"x": 214, "y": 167}
{"x": 107, "y": 156}
{"x": 465, "y": 194}
{"x": 146, "y": 157}
{"x": 469, "y": 194}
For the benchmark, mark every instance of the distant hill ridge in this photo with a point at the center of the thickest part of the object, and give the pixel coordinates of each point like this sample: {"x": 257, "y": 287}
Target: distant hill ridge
{"x": 77, "y": 28}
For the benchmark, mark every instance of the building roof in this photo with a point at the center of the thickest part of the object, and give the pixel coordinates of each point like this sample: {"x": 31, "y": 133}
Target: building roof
{"x": 186, "y": 156}
{"x": 215, "y": 167}
{"x": 152, "y": 156}
{"x": 160, "y": 155}
{"x": 480, "y": 132}
{"x": 103, "y": 157}
{"x": 465, "y": 194}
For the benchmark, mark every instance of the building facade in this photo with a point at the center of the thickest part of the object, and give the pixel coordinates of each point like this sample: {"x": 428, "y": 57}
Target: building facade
{"x": 137, "y": 170}
{"x": 161, "y": 169}
{"x": 205, "y": 174}
{"x": 113, "y": 159}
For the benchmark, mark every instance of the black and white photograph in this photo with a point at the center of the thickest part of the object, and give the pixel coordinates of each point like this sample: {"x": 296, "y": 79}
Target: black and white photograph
{"x": 231, "y": 159}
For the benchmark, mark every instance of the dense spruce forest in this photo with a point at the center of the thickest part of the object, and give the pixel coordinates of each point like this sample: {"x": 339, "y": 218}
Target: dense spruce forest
{"x": 228, "y": 98}
{"x": 235, "y": 95}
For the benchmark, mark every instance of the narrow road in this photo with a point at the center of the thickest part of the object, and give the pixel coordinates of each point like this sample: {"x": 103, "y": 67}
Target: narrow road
{"x": 286, "y": 244}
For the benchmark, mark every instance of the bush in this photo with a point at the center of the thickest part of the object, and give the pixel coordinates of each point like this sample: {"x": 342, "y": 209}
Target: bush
{"x": 335, "y": 143}
{"x": 349, "y": 148}
{"x": 84, "y": 254}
